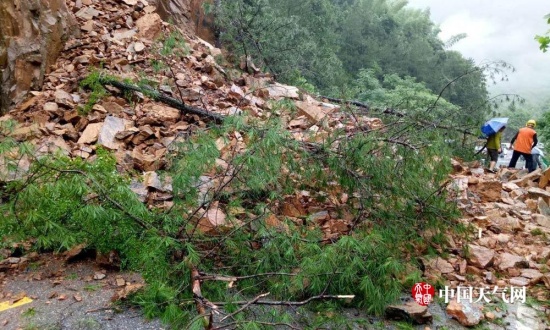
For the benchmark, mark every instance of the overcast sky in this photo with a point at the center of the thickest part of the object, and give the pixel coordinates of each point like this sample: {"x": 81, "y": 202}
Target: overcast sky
{"x": 499, "y": 30}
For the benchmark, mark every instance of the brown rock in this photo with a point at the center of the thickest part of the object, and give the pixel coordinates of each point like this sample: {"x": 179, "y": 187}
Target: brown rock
{"x": 315, "y": 112}
{"x": 110, "y": 128}
{"x": 126, "y": 291}
{"x": 465, "y": 312}
{"x": 277, "y": 91}
{"x": 149, "y": 26}
{"x": 537, "y": 193}
{"x": 273, "y": 222}
{"x": 212, "y": 220}
{"x": 488, "y": 191}
{"x": 514, "y": 272}
{"x": 509, "y": 186}
{"x": 140, "y": 190}
{"x": 81, "y": 124}
{"x": 90, "y": 134}
{"x": 507, "y": 260}
{"x": 120, "y": 281}
{"x": 480, "y": 256}
{"x": 145, "y": 133}
{"x": 525, "y": 179}
{"x": 410, "y": 312}
{"x": 74, "y": 252}
{"x": 519, "y": 281}
{"x": 64, "y": 98}
{"x": 531, "y": 204}
{"x": 533, "y": 275}
{"x": 159, "y": 115}
{"x": 441, "y": 265}
{"x": 147, "y": 162}
{"x": 87, "y": 13}
{"x": 293, "y": 208}
{"x": 544, "y": 179}
{"x": 457, "y": 166}
{"x": 24, "y": 133}
{"x": 336, "y": 226}
{"x": 543, "y": 207}
{"x": 88, "y": 26}
{"x": 113, "y": 108}
{"x": 542, "y": 220}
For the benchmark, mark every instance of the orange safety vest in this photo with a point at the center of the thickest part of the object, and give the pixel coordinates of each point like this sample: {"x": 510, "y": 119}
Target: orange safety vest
{"x": 524, "y": 140}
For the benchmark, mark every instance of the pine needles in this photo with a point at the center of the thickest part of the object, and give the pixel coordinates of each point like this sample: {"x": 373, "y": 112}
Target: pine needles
{"x": 250, "y": 172}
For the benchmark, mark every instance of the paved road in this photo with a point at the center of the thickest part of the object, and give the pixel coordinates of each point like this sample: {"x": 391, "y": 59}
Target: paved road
{"x": 53, "y": 288}
{"x": 504, "y": 161}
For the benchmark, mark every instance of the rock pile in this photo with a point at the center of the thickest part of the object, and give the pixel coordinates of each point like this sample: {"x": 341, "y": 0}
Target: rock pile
{"x": 507, "y": 216}
{"x": 128, "y": 40}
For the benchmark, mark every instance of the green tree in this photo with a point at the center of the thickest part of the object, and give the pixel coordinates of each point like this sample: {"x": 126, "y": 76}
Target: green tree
{"x": 544, "y": 40}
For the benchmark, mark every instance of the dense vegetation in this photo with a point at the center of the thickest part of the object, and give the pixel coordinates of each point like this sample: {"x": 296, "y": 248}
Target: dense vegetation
{"x": 334, "y": 45}
{"x": 377, "y": 52}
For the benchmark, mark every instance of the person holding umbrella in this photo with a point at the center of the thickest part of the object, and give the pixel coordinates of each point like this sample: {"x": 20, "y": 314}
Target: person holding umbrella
{"x": 493, "y": 129}
{"x": 494, "y": 148}
{"x": 525, "y": 140}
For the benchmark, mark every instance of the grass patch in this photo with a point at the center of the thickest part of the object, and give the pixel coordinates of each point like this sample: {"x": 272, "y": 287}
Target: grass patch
{"x": 72, "y": 276}
{"x": 537, "y": 232}
{"x": 92, "y": 287}
{"x": 29, "y": 312}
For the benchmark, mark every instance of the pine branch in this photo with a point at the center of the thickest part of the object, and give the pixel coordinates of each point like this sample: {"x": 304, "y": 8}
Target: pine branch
{"x": 155, "y": 95}
{"x": 287, "y": 303}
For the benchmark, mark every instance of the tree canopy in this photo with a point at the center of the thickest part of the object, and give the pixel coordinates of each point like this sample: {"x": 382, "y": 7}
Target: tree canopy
{"x": 331, "y": 44}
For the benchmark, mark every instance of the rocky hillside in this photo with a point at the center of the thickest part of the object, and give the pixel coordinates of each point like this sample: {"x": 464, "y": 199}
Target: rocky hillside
{"x": 32, "y": 35}
{"x": 129, "y": 40}
{"x": 507, "y": 213}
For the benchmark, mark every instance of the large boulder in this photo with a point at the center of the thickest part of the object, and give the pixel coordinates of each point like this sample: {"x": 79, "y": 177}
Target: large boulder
{"x": 32, "y": 34}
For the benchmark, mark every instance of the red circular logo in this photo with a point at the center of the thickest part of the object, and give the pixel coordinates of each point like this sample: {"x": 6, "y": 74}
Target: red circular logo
{"x": 423, "y": 293}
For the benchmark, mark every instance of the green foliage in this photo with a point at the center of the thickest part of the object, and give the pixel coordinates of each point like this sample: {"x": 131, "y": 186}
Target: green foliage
{"x": 544, "y": 40}
{"x": 92, "y": 287}
{"x": 63, "y": 202}
{"x": 92, "y": 82}
{"x": 329, "y": 44}
{"x": 157, "y": 65}
{"x": 30, "y": 312}
{"x": 285, "y": 37}
{"x": 174, "y": 44}
{"x": 543, "y": 126}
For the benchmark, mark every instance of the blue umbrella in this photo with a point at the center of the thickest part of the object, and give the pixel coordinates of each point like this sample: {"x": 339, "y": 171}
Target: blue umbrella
{"x": 493, "y": 125}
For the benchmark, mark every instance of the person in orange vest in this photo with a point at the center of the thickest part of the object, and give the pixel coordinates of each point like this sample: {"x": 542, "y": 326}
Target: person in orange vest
{"x": 525, "y": 139}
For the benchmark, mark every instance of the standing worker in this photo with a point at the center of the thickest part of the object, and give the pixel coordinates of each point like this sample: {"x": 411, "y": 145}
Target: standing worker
{"x": 525, "y": 139}
{"x": 494, "y": 148}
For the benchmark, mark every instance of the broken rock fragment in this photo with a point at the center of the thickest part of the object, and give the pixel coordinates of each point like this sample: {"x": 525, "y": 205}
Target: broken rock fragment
{"x": 465, "y": 312}
{"x": 480, "y": 256}
{"x": 90, "y": 134}
{"x": 410, "y": 311}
